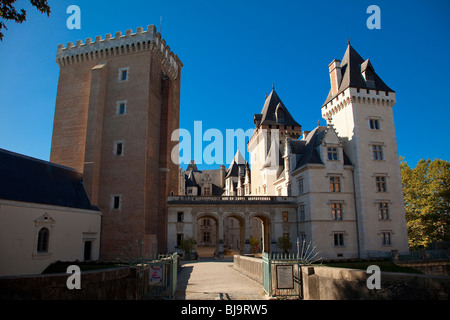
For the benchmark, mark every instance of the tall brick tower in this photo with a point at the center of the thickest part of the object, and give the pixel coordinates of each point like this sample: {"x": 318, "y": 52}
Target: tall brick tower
{"x": 117, "y": 104}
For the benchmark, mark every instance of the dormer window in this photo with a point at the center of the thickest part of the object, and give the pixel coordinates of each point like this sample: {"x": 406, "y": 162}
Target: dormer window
{"x": 280, "y": 115}
{"x": 332, "y": 153}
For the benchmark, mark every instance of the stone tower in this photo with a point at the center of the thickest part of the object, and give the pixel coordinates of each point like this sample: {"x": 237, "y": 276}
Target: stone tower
{"x": 359, "y": 105}
{"x": 266, "y": 145}
{"x": 117, "y": 105}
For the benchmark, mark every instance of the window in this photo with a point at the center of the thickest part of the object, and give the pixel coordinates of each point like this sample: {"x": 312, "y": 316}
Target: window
{"x": 116, "y": 201}
{"x": 180, "y": 216}
{"x": 280, "y": 115}
{"x": 383, "y": 210}
{"x": 118, "y": 148}
{"x": 336, "y": 211}
{"x": 179, "y": 239}
{"x": 377, "y": 152}
{"x": 301, "y": 189}
{"x": 386, "y": 238}
{"x": 301, "y": 212}
{"x": 43, "y": 237}
{"x": 207, "y": 190}
{"x": 380, "y": 182}
{"x": 338, "y": 239}
{"x": 289, "y": 190}
{"x": 206, "y": 236}
{"x": 335, "y": 184}
{"x": 123, "y": 74}
{"x": 374, "y": 124}
{"x": 285, "y": 216}
{"x": 332, "y": 154}
{"x": 121, "y": 107}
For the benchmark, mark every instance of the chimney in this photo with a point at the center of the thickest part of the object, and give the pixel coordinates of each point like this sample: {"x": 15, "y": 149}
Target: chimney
{"x": 335, "y": 75}
{"x": 222, "y": 176}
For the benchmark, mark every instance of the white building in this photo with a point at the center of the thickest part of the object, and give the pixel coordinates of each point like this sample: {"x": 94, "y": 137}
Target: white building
{"x": 45, "y": 216}
{"x": 338, "y": 186}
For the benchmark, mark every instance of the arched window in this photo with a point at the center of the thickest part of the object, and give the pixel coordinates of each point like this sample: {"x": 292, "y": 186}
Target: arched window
{"x": 280, "y": 115}
{"x": 43, "y": 236}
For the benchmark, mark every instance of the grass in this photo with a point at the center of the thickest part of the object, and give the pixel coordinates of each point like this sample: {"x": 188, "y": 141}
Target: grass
{"x": 385, "y": 266}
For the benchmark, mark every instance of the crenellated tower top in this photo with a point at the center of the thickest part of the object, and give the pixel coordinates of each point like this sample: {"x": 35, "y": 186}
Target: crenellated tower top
{"x": 120, "y": 45}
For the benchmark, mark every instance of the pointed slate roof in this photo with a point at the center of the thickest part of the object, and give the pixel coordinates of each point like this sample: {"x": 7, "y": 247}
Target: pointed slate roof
{"x": 27, "y": 179}
{"x": 353, "y": 67}
{"x": 268, "y": 113}
{"x": 233, "y": 169}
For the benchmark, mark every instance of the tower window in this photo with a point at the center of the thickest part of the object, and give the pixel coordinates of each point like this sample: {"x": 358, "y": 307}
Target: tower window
{"x": 383, "y": 210}
{"x": 335, "y": 184}
{"x": 374, "y": 124}
{"x": 377, "y": 152}
{"x": 381, "y": 185}
{"x": 123, "y": 74}
{"x": 338, "y": 239}
{"x": 280, "y": 115}
{"x": 336, "y": 211}
{"x": 116, "y": 201}
{"x": 121, "y": 107}
{"x": 118, "y": 148}
{"x": 386, "y": 238}
{"x": 332, "y": 154}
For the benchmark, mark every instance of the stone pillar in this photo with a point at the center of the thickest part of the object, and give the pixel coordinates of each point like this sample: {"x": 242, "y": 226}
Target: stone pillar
{"x": 246, "y": 234}
{"x": 220, "y": 251}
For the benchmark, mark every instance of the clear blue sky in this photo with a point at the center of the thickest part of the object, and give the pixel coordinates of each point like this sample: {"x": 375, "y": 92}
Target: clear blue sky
{"x": 232, "y": 51}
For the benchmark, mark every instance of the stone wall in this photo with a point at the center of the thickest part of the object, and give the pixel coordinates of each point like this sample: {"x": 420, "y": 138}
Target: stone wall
{"x": 327, "y": 283}
{"x": 111, "y": 284}
{"x": 251, "y": 267}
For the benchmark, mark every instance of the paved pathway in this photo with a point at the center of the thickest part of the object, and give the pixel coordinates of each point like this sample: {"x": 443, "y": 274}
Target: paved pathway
{"x": 211, "y": 279}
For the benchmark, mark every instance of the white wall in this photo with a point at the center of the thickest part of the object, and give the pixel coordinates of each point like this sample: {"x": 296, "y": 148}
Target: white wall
{"x": 69, "y": 229}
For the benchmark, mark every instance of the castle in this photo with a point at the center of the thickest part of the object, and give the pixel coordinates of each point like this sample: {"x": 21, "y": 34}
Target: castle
{"x": 338, "y": 186}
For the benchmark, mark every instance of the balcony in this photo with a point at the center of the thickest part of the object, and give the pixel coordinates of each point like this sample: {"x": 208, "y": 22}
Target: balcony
{"x": 224, "y": 200}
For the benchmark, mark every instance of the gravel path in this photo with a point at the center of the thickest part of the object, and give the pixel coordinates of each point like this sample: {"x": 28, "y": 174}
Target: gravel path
{"x": 210, "y": 279}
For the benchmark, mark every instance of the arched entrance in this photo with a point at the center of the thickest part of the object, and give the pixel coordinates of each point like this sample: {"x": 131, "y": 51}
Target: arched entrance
{"x": 264, "y": 236}
{"x": 206, "y": 235}
{"x": 227, "y": 233}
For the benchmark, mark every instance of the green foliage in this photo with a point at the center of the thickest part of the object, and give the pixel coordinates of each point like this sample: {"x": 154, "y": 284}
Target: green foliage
{"x": 8, "y": 12}
{"x": 253, "y": 244}
{"x": 187, "y": 245}
{"x": 426, "y": 192}
{"x": 284, "y": 243}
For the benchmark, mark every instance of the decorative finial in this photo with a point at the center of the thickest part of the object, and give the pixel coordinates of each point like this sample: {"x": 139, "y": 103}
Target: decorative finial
{"x": 266, "y": 95}
{"x": 348, "y": 41}
{"x": 318, "y": 123}
{"x": 273, "y": 85}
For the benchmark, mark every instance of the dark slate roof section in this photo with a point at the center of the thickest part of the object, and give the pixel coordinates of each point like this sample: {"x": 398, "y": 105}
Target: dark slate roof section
{"x": 32, "y": 180}
{"x": 352, "y": 68}
{"x": 307, "y": 149}
{"x": 194, "y": 178}
{"x": 268, "y": 116}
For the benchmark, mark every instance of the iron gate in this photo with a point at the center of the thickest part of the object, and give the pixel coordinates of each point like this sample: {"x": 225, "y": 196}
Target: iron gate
{"x": 282, "y": 275}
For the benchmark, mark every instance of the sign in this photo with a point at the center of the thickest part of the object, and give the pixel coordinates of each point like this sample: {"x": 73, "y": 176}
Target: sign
{"x": 156, "y": 275}
{"x": 285, "y": 276}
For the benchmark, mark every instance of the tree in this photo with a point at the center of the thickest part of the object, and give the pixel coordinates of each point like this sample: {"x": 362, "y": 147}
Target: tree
{"x": 426, "y": 192}
{"x": 187, "y": 245}
{"x": 284, "y": 243}
{"x": 9, "y": 12}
